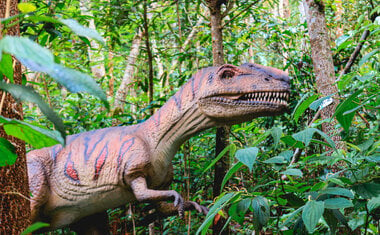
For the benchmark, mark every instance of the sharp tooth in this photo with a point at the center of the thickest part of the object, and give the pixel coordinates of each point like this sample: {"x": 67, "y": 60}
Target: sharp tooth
{"x": 277, "y": 94}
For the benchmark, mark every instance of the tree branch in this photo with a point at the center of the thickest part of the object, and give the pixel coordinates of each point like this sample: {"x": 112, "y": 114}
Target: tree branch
{"x": 238, "y": 14}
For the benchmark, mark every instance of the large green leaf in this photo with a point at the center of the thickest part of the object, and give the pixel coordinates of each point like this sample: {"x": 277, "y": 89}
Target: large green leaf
{"x": 230, "y": 173}
{"x": 306, "y": 135}
{"x": 237, "y": 210}
{"x": 76, "y": 81}
{"x": 6, "y": 67}
{"x": 7, "y": 153}
{"x": 247, "y": 156}
{"x": 302, "y": 105}
{"x": 220, "y": 155}
{"x": 81, "y": 30}
{"x": 39, "y": 59}
{"x": 311, "y": 214}
{"x": 321, "y": 103}
{"x": 337, "y": 203}
{"x": 350, "y": 103}
{"x": 337, "y": 191}
{"x": 276, "y": 134}
{"x": 292, "y": 171}
{"x": 261, "y": 212}
{"x": 27, "y": 94}
{"x": 219, "y": 204}
{"x": 36, "y": 136}
{"x": 367, "y": 190}
{"x": 374, "y": 203}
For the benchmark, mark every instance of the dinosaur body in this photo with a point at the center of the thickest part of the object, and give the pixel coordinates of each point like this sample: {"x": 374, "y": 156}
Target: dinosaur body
{"x": 106, "y": 168}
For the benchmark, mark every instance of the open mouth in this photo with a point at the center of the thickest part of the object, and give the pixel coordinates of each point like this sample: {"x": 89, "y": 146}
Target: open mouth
{"x": 268, "y": 98}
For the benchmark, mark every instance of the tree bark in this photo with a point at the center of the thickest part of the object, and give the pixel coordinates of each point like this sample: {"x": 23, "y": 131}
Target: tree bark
{"x": 14, "y": 187}
{"x": 323, "y": 63}
{"x": 96, "y": 59}
{"x": 125, "y": 87}
{"x": 222, "y": 133}
{"x": 150, "y": 56}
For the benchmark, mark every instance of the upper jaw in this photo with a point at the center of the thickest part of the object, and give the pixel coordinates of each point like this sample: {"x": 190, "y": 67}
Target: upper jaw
{"x": 257, "y": 97}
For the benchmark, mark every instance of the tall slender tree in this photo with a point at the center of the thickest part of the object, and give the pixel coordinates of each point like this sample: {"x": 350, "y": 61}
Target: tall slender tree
{"x": 14, "y": 188}
{"x": 222, "y": 133}
{"x": 322, "y": 62}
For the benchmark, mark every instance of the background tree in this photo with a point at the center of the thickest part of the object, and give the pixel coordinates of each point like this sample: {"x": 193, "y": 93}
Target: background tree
{"x": 14, "y": 187}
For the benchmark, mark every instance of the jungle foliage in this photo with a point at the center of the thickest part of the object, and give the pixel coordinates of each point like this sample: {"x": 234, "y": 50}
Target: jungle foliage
{"x": 287, "y": 176}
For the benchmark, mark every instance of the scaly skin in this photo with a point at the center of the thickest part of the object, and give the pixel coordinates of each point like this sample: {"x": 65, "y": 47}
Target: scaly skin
{"x": 106, "y": 168}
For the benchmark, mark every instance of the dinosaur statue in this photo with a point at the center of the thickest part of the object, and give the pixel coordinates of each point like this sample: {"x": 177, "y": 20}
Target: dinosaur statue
{"x": 105, "y": 168}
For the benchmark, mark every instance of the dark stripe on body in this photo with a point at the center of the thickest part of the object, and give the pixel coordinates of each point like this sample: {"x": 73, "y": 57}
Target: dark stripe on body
{"x": 100, "y": 160}
{"x": 87, "y": 154}
{"x": 70, "y": 171}
{"x": 125, "y": 146}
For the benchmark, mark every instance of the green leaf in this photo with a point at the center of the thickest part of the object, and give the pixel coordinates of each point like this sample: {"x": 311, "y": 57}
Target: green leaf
{"x": 373, "y": 203}
{"x": 29, "y": 53}
{"x": 350, "y": 103}
{"x": 302, "y": 105}
{"x": 247, "y": 156}
{"x": 26, "y": 7}
{"x": 261, "y": 212}
{"x": 39, "y": 59}
{"x": 230, "y": 173}
{"x": 34, "y": 227}
{"x": 311, "y": 214}
{"x": 292, "y": 171}
{"x": 276, "y": 134}
{"x": 367, "y": 56}
{"x": 306, "y": 135}
{"x": 220, "y": 155}
{"x": 82, "y": 31}
{"x": 237, "y": 210}
{"x": 36, "y": 136}
{"x": 223, "y": 200}
{"x": 337, "y": 191}
{"x": 290, "y": 141}
{"x": 7, "y": 153}
{"x": 6, "y": 66}
{"x": 27, "y": 94}
{"x": 76, "y": 81}
{"x": 291, "y": 216}
{"x": 337, "y": 203}
{"x": 367, "y": 190}
{"x": 277, "y": 160}
{"x": 321, "y": 103}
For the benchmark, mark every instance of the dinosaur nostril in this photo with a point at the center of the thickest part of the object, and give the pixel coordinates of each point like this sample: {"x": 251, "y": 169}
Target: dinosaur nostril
{"x": 266, "y": 79}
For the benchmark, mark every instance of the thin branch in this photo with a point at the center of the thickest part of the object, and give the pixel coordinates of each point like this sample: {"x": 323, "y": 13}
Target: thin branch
{"x": 17, "y": 194}
{"x": 356, "y": 52}
{"x": 241, "y": 12}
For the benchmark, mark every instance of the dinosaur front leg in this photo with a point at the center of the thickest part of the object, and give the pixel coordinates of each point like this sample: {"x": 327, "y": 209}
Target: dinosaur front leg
{"x": 143, "y": 194}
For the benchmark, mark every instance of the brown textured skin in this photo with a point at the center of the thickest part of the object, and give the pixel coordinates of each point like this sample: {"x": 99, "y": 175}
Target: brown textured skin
{"x": 106, "y": 168}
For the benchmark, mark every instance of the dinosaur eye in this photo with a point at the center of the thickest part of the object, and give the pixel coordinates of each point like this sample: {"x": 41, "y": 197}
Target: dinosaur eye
{"x": 227, "y": 74}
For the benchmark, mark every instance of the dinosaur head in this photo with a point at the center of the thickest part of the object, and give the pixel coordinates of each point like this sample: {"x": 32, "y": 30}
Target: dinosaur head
{"x": 231, "y": 94}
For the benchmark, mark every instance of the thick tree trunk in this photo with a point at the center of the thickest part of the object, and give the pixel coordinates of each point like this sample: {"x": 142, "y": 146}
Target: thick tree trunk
{"x": 96, "y": 59}
{"x": 14, "y": 187}
{"x": 322, "y": 61}
{"x": 222, "y": 133}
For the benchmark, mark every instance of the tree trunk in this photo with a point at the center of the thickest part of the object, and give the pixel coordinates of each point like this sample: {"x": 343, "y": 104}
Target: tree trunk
{"x": 150, "y": 57}
{"x": 222, "y": 133}
{"x": 14, "y": 187}
{"x": 322, "y": 61}
{"x": 96, "y": 59}
{"x": 125, "y": 87}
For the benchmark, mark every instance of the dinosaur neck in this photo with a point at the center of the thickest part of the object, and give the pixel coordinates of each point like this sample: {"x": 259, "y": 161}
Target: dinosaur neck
{"x": 173, "y": 124}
